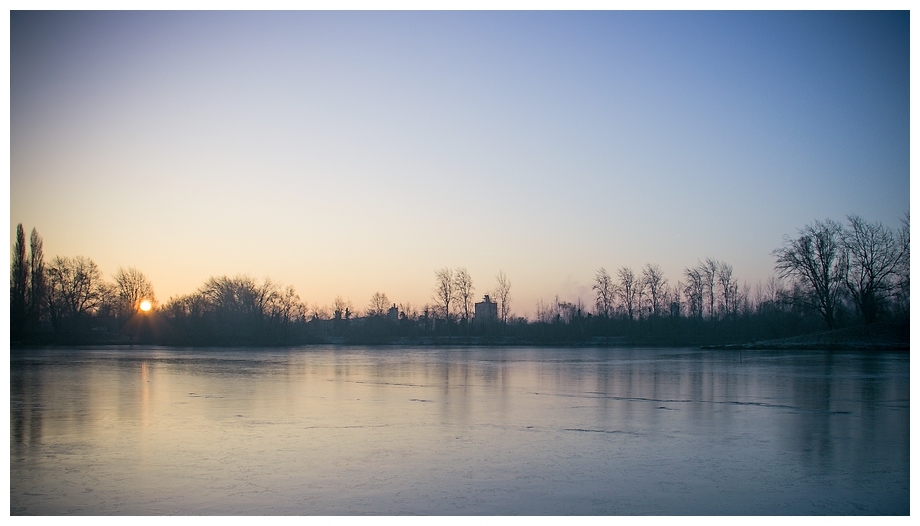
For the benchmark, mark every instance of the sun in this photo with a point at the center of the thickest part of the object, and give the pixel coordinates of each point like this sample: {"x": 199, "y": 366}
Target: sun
{"x": 145, "y": 306}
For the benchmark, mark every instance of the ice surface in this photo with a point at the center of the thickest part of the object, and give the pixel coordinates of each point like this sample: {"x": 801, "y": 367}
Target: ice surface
{"x": 458, "y": 431}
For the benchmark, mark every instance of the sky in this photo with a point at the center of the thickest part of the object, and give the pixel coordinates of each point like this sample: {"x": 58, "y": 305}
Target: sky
{"x": 346, "y": 153}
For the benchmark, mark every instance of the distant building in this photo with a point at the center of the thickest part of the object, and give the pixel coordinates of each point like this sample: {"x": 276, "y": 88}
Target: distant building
{"x": 486, "y": 311}
{"x": 393, "y": 313}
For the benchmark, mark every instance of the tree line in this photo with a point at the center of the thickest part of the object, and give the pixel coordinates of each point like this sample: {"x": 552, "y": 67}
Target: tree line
{"x": 68, "y": 295}
{"x": 861, "y": 266}
{"x": 830, "y": 275}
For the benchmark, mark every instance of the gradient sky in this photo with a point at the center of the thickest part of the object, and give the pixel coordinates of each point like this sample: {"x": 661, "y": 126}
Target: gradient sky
{"x": 346, "y": 153}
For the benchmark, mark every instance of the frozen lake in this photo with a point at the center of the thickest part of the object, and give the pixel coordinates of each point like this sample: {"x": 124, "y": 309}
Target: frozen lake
{"x": 458, "y": 431}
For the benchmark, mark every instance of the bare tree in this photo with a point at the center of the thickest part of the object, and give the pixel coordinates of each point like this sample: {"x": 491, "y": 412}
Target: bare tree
{"x": 234, "y": 300}
{"x": 379, "y": 305}
{"x": 109, "y": 303}
{"x": 339, "y": 308}
{"x": 233, "y": 310}
{"x": 282, "y": 305}
{"x": 627, "y": 290}
{"x": 656, "y": 284}
{"x": 672, "y": 300}
{"x": 444, "y": 292}
{"x": 743, "y": 304}
{"x": 708, "y": 271}
{"x": 75, "y": 289}
{"x": 693, "y": 291}
{"x": 604, "y": 291}
{"x": 131, "y": 288}
{"x": 816, "y": 261}
{"x": 36, "y": 299}
{"x": 408, "y": 311}
{"x": 463, "y": 284}
{"x": 19, "y": 282}
{"x": 566, "y": 312}
{"x": 775, "y": 294}
{"x": 728, "y": 288}
{"x": 503, "y": 295}
{"x": 874, "y": 255}
{"x": 544, "y": 313}
{"x": 319, "y": 312}
{"x": 426, "y": 316}
{"x": 902, "y": 286}
{"x": 640, "y": 297}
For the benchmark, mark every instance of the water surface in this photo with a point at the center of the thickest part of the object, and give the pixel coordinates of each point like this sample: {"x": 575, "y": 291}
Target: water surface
{"x": 455, "y": 431}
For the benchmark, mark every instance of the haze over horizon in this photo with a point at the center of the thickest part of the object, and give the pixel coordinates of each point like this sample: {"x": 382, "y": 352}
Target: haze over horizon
{"x": 346, "y": 153}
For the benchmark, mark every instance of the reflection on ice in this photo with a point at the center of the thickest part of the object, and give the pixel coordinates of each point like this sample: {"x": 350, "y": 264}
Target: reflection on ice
{"x": 458, "y": 431}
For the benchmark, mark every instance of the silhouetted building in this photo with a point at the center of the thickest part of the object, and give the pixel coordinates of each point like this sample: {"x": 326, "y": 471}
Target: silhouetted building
{"x": 486, "y": 311}
{"x": 393, "y": 313}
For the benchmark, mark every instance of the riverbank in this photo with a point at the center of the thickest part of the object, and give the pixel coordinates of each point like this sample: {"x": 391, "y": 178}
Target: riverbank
{"x": 880, "y": 336}
{"x": 875, "y": 337}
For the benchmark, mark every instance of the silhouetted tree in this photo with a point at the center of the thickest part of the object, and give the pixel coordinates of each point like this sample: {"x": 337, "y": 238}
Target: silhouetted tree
{"x": 728, "y": 288}
{"x": 672, "y": 300}
{"x": 407, "y": 311}
{"x": 236, "y": 310}
{"x": 544, "y": 312}
{"x": 874, "y": 255}
{"x": 342, "y": 309}
{"x": 816, "y": 261}
{"x": 75, "y": 289}
{"x": 463, "y": 284}
{"x": 378, "y": 306}
{"x": 109, "y": 304}
{"x": 693, "y": 291}
{"x": 604, "y": 291}
{"x": 191, "y": 319}
{"x": 281, "y": 308}
{"x": 235, "y": 306}
{"x": 131, "y": 288}
{"x": 36, "y": 301}
{"x": 708, "y": 271}
{"x": 319, "y": 312}
{"x": 902, "y": 274}
{"x": 503, "y": 295}
{"x": 656, "y": 284}
{"x": 444, "y": 292}
{"x": 19, "y": 283}
{"x": 627, "y": 291}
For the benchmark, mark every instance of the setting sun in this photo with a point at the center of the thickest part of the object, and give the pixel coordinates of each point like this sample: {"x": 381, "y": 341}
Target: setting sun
{"x": 145, "y": 306}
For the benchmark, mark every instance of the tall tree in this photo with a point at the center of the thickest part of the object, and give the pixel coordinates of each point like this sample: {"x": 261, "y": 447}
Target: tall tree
{"x": 463, "y": 284}
{"x": 282, "y": 305}
{"x": 131, "y": 288}
{"x": 693, "y": 291}
{"x": 656, "y": 284}
{"x": 902, "y": 287}
{"x": 75, "y": 289}
{"x": 728, "y": 289}
{"x": 503, "y": 295}
{"x": 627, "y": 290}
{"x": 816, "y": 261}
{"x": 444, "y": 292}
{"x": 604, "y": 291}
{"x": 19, "y": 283}
{"x": 874, "y": 255}
{"x": 709, "y": 269}
{"x": 36, "y": 299}
{"x": 378, "y": 306}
